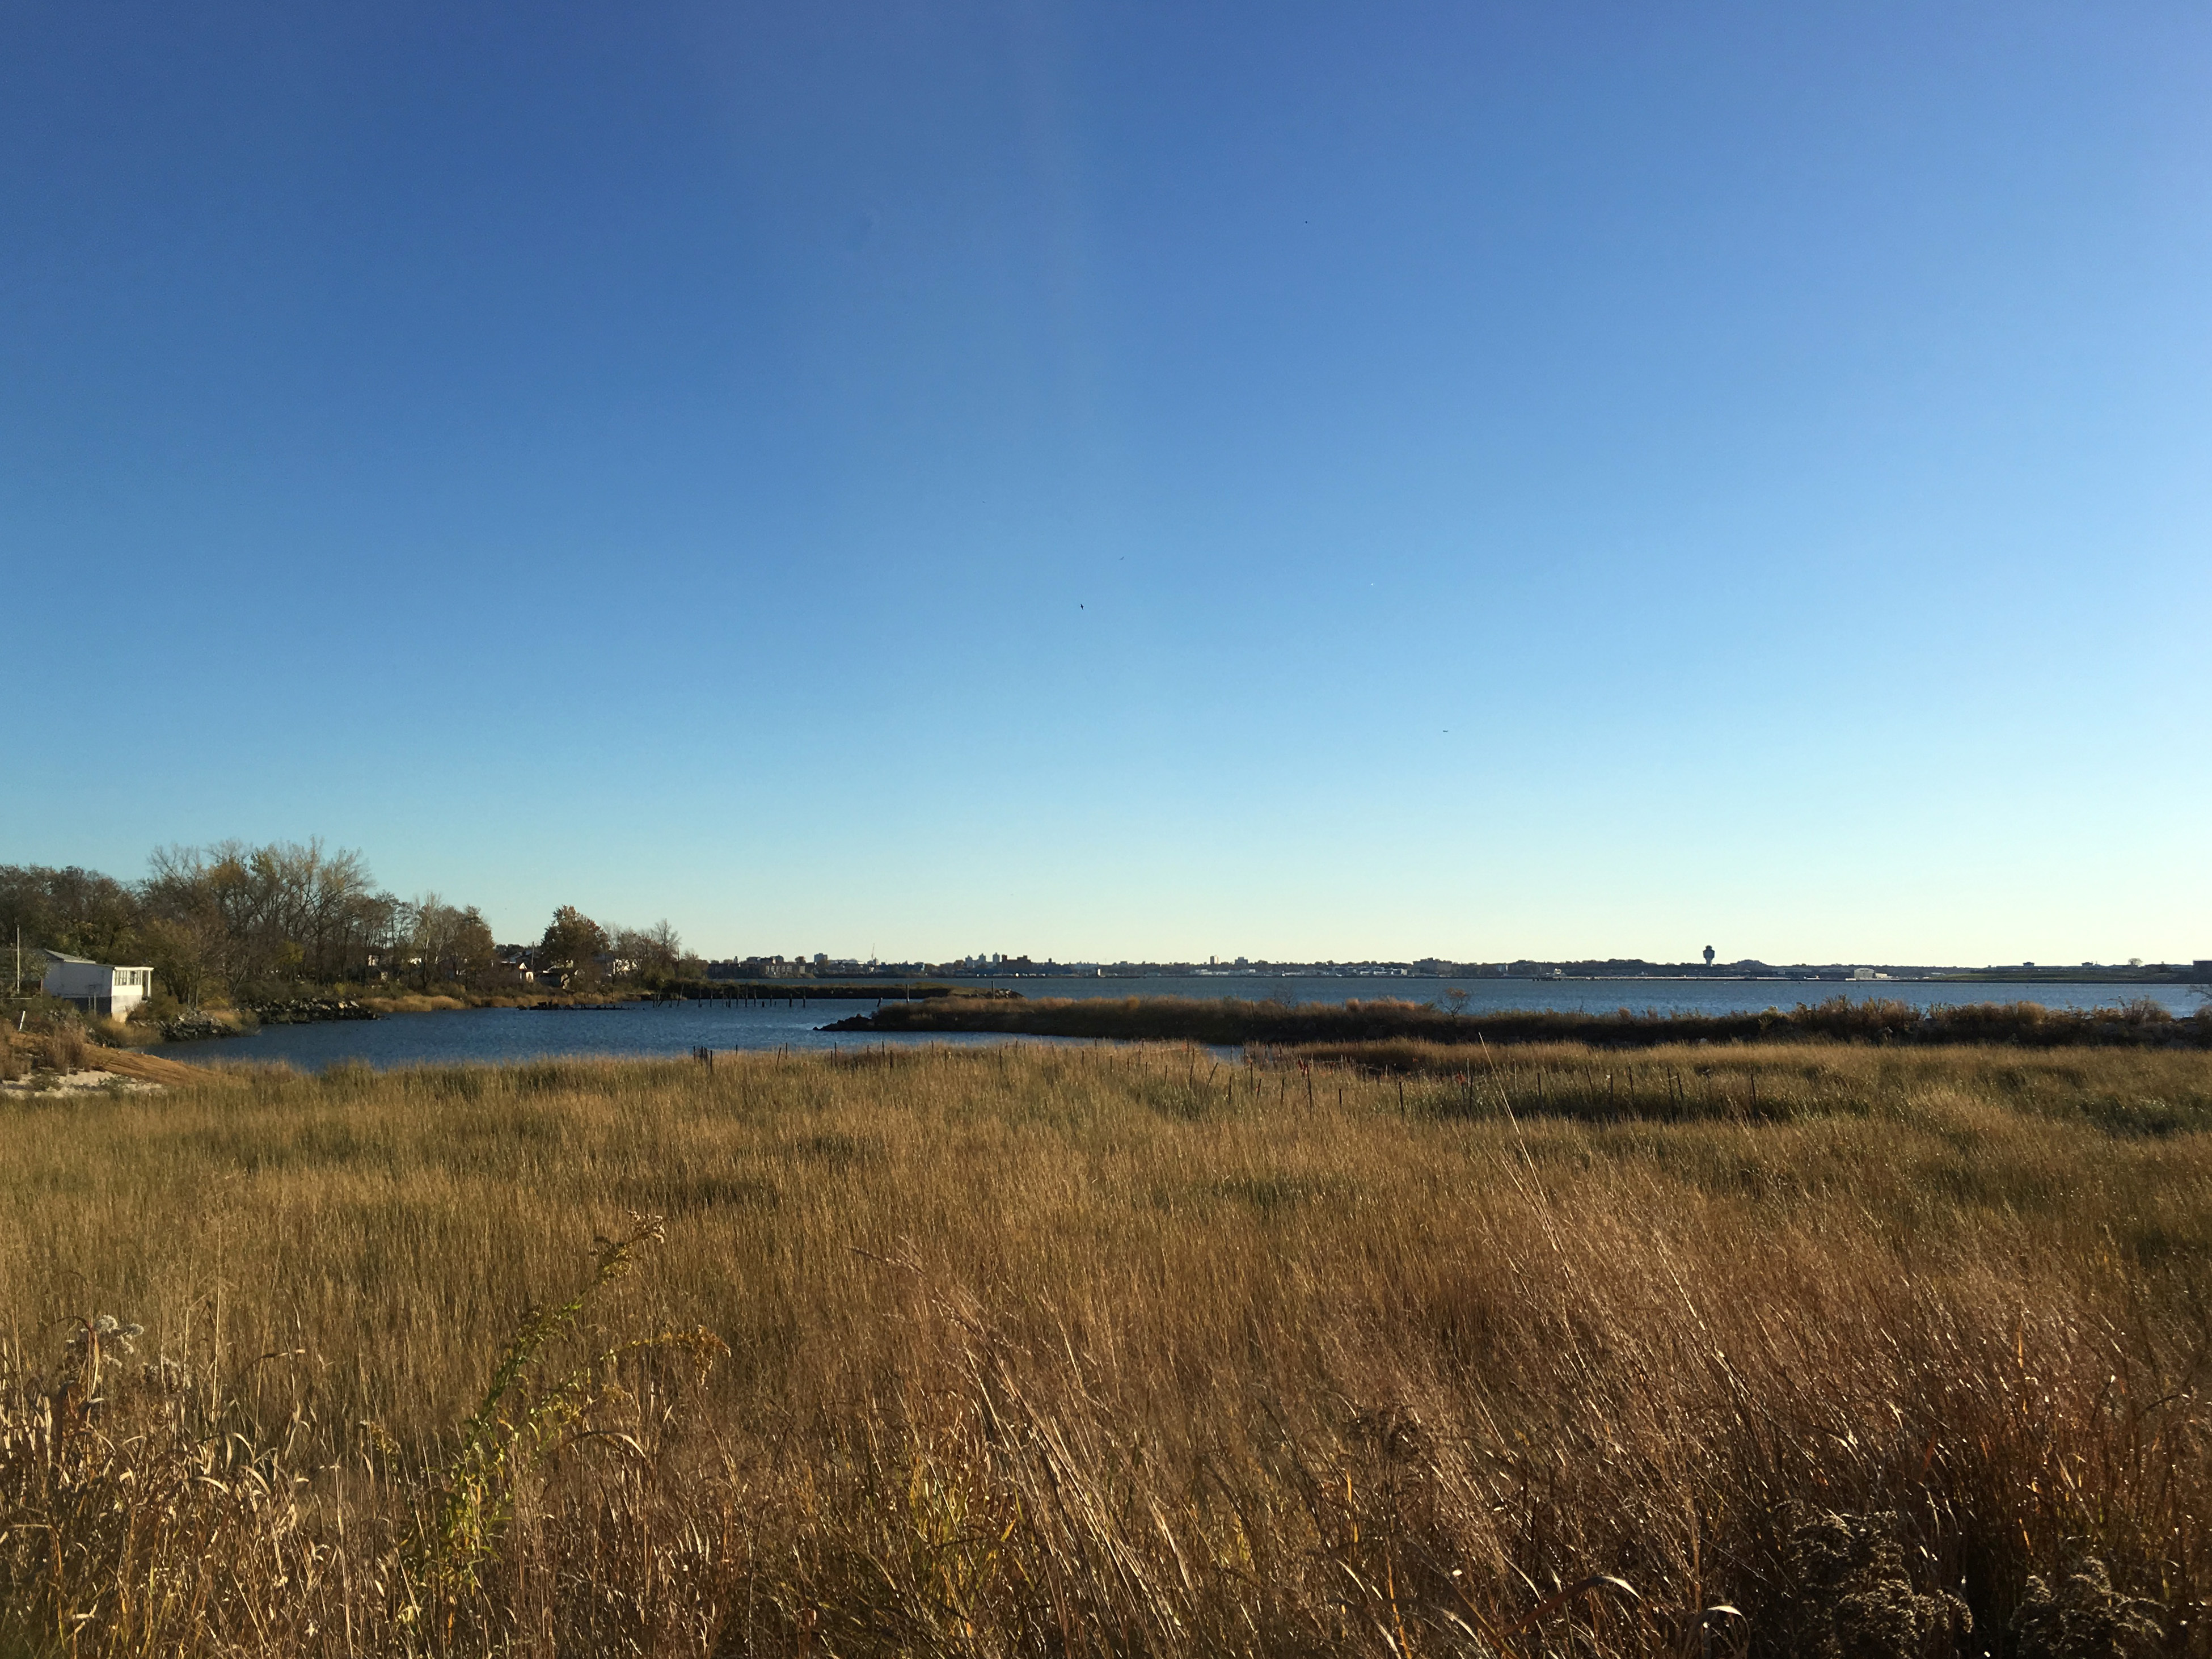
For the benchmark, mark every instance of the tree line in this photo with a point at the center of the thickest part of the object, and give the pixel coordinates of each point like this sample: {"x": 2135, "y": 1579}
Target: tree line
{"x": 242, "y": 922}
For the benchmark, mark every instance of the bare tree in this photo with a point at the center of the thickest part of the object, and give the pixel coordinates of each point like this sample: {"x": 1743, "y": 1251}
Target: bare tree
{"x": 243, "y": 916}
{"x": 652, "y": 952}
{"x": 448, "y": 945}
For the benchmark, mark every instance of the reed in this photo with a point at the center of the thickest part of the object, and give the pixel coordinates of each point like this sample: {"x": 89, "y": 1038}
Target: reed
{"x": 1061, "y": 1350}
{"x": 1228, "y": 1021}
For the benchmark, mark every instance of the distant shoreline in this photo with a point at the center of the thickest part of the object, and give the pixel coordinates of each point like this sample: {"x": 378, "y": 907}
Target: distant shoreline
{"x": 198, "y": 1025}
{"x": 2170, "y": 976}
{"x": 1229, "y": 1022}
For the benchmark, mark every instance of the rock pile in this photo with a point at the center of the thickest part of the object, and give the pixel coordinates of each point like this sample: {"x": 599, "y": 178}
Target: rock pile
{"x": 193, "y": 1026}
{"x": 303, "y": 1010}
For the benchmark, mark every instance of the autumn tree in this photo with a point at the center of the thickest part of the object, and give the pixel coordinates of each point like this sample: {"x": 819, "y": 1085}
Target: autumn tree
{"x": 572, "y": 947}
{"x": 81, "y": 912}
{"x": 249, "y": 920}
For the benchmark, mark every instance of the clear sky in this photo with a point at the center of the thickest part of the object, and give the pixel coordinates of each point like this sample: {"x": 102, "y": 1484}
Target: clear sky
{"x": 1129, "y": 480}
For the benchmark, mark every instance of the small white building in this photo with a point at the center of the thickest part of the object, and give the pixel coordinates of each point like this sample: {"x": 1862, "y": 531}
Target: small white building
{"x": 95, "y": 986}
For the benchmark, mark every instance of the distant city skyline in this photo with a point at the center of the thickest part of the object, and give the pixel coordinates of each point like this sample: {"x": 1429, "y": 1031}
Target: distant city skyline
{"x": 1015, "y": 965}
{"x": 1519, "y": 481}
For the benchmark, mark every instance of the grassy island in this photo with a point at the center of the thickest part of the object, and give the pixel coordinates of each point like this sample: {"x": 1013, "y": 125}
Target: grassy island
{"x": 1055, "y": 1350}
{"x": 1229, "y": 1022}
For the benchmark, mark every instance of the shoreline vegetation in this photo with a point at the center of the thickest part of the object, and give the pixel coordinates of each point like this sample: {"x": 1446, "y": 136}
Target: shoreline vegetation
{"x": 1381, "y": 1037}
{"x": 1826, "y": 1347}
{"x": 1228, "y": 1023}
{"x": 351, "y": 1002}
{"x": 54, "y": 1039}
{"x": 240, "y": 936}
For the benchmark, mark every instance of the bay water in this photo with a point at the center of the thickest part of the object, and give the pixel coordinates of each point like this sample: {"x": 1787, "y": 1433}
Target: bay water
{"x": 499, "y": 1035}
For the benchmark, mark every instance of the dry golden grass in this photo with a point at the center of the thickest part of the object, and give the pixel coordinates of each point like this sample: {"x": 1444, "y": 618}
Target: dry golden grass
{"x": 1225, "y": 1021}
{"x": 1060, "y": 1350}
{"x": 153, "y": 1069}
{"x": 65, "y": 1047}
{"x": 406, "y": 1002}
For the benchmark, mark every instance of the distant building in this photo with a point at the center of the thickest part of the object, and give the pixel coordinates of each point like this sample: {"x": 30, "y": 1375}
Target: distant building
{"x": 1866, "y": 973}
{"x": 95, "y": 986}
{"x": 756, "y": 967}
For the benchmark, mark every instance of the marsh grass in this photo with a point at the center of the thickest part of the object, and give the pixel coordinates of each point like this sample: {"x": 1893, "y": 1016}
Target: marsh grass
{"x": 1070, "y": 1350}
{"x": 1227, "y": 1020}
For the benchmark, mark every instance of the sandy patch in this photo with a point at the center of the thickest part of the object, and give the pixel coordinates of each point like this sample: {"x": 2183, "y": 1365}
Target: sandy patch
{"x": 48, "y": 1083}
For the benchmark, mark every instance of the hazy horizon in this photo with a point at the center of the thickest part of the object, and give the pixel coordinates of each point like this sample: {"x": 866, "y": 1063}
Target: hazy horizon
{"x": 1099, "y": 482}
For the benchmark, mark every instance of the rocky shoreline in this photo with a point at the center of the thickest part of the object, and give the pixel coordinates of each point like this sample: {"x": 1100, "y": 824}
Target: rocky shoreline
{"x": 197, "y": 1025}
{"x": 308, "y": 1011}
{"x": 193, "y": 1026}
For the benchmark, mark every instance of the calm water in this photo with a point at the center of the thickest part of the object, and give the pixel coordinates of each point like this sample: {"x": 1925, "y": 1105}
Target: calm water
{"x": 506, "y": 1034}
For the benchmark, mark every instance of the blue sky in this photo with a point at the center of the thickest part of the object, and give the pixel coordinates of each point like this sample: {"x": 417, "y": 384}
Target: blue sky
{"x": 1291, "y": 481}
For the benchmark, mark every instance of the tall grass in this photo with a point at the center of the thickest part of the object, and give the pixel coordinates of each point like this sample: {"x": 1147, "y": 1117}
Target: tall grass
{"x": 1062, "y": 1351}
{"x": 1227, "y": 1020}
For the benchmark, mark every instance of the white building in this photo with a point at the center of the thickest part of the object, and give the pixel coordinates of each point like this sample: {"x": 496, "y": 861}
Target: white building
{"x": 95, "y": 986}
